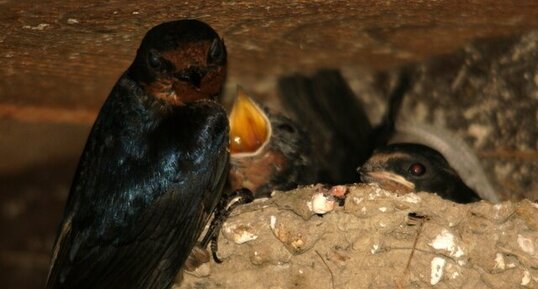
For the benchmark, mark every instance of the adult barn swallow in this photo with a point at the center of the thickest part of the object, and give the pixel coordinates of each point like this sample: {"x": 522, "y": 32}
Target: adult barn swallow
{"x": 268, "y": 150}
{"x": 408, "y": 167}
{"x": 153, "y": 168}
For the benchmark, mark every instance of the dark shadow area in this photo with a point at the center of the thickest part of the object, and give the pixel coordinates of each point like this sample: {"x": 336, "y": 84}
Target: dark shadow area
{"x": 32, "y": 202}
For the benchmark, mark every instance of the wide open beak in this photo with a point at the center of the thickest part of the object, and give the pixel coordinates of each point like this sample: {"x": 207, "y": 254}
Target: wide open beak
{"x": 249, "y": 126}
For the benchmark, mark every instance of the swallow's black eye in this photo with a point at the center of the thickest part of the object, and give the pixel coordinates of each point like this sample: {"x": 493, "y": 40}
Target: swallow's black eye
{"x": 217, "y": 52}
{"x": 417, "y": 169}
{"x": 155, "y": 60}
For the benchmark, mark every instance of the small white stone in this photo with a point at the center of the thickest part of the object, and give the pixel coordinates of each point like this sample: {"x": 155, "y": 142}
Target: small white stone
{"x": 458, "y": 253}
{"x": 72, "y": 21}
{"x": 526, "y": 278}
{"x": 273, "y": 222}
{"x": 499, "y": 261}
{"x": 245, "y": 237}
{"x": 411, "y": 198}
{"x": 382, "y": 209}
{"x": 526, "y": 244}
{"x": 374, "y": 249}
{"x": 438, "y": 264}
{"x": 321, "y": 204}
{"x": 497, "y": 208}
{"x": 239, "y": 235}
{"x": 445, "y": 241}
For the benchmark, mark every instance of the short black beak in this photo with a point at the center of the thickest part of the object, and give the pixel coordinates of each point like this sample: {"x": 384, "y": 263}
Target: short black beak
{"x": 192, "y": 75}
{"x": 360, "y": 171}
{"x": 363, "y": 172}
{"x": 364, "y": 169}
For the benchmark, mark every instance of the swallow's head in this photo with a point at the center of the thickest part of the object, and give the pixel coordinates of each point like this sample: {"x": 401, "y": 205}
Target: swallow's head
{"x": 268, "y": 151}
{"x": 409, "y": 168}
{"x": 180, "y": 62}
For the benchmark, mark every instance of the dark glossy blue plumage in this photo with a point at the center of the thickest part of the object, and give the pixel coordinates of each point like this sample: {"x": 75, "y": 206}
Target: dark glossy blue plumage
{"x": 149, "y": 178}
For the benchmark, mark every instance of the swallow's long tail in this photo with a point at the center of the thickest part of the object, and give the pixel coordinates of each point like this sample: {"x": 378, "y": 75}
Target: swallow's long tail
{"x": 385, "y": 130}
{"x": 335, "y": 119}
{"x": 337, "y": 122}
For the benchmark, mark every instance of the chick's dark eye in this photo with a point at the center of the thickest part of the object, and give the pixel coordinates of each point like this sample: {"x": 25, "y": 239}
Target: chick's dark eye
{"x": 154, "y": 59}
{"x": 287, "y": 127}
{"x": 417, "y": 169}
{"x": 217, "y": 52}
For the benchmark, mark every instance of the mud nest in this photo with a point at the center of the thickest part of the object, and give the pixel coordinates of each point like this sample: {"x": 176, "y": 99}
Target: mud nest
{"x": 375, "y": 239}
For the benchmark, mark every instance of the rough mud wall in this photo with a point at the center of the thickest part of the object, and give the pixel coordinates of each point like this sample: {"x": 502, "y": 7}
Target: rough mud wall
{"x": 376, "y": 240}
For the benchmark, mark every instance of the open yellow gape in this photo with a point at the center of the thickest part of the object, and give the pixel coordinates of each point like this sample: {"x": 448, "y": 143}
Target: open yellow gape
{"x": 249, "y": 126}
